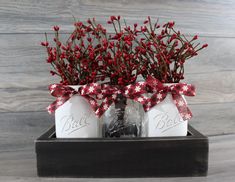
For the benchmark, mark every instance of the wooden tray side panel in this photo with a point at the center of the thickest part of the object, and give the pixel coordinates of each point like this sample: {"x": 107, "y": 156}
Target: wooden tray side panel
{"x": 179, "y": 156}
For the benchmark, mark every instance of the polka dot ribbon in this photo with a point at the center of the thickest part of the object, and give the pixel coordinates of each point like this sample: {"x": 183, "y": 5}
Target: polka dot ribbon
{"x": 160, "y": 91}
{"x": 102, "y": 96}
{"x": 62, "y": 94}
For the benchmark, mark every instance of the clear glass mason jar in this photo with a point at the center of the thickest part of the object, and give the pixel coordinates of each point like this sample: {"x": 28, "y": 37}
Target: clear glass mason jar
{"x": 123, "y": 119}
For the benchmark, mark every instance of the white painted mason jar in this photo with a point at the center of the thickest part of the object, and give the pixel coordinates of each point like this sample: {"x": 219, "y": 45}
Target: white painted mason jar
{"x": 76, "y": 119}
{"x": 164, "y": 120}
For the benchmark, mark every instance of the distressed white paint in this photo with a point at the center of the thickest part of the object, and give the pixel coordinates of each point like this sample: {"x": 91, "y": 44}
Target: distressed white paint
{"x": 164, "y": 120}
{"x": 76, "y": 119}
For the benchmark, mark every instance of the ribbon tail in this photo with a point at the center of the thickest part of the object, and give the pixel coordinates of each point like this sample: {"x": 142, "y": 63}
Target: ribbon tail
{"x": 56, "y": 104}
{"x": 62, "y": 94}
{"x": 104, "y": 106}
{"x": 182, "y": 107}
{"x": 51, "y": 108}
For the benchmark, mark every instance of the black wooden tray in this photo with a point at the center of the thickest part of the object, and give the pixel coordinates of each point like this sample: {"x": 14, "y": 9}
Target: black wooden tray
{"x": 122, "y": 157}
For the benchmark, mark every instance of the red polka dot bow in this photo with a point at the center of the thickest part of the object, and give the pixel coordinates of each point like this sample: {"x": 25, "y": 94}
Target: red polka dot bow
{"x": 62, "y": 94}
{"x": 160, "y": 92}
{"x": 100, "y": 96}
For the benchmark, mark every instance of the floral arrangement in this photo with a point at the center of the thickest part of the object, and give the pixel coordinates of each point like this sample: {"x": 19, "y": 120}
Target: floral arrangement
{"x": 91, "y": 54}
{"x": 107, "y": 66}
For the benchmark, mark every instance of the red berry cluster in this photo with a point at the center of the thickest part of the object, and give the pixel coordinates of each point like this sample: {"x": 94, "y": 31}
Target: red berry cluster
{"x": 91, "y": 54}
{"x": 165, "y": 50}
